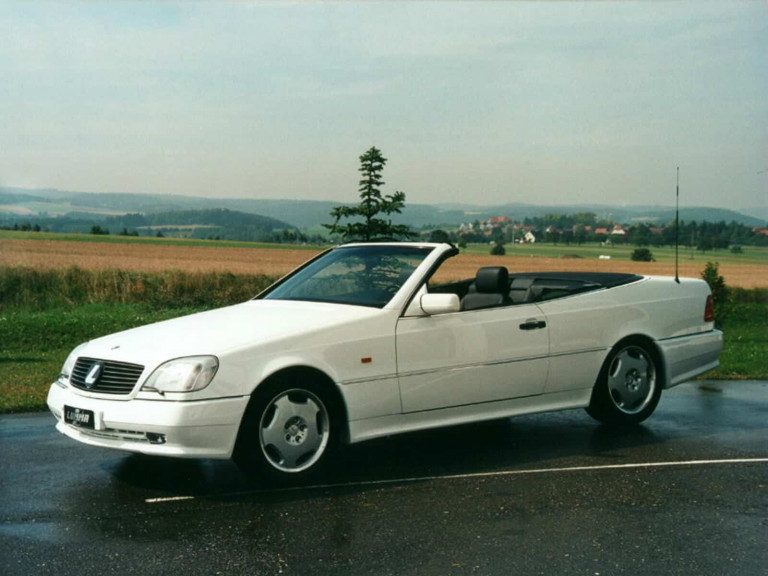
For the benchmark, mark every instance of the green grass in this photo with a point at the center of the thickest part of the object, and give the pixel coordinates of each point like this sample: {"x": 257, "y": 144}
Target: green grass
{"x": 114, "y": 238}
{"x": 44, "y": 314}
{"x": 27, "y": 287}
{"x": 745, "y": 356}
{"x": 35, "y": 343}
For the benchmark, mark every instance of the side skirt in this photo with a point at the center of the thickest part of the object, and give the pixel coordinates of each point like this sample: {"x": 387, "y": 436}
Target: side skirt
{"x": 369, "y": 428}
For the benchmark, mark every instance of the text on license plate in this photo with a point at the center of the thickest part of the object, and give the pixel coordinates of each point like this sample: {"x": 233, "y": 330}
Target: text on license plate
{"x": 78, "y": 417}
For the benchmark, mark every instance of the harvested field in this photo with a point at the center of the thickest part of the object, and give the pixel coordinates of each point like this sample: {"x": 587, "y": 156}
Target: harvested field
{"x": 49, "y": 254}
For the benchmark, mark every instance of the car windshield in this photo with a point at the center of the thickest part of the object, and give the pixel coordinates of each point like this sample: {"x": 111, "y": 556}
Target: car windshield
{"x": 359, "y": 275}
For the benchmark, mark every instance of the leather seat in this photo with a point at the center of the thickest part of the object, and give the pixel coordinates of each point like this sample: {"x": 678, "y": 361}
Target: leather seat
{"x": 491, "y": 288}
{"x": 520, "y": 288}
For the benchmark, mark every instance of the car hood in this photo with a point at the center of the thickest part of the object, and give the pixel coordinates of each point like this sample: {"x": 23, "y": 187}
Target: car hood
{"x": 217, "y": 331}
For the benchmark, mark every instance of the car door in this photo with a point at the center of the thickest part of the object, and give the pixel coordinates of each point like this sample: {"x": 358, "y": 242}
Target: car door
{"x": 471, "y": 356}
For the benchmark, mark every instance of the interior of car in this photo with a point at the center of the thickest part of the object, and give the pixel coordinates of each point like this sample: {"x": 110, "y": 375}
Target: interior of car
{"x": 493, "y": 286}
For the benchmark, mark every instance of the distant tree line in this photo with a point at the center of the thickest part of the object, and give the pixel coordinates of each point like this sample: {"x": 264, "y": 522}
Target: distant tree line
{"x": 218, "y": 224}
{"x": 582, "y": 227}
{"x": 585, "y": 227}
{"x": 567, "y": 229}
{"x": 25, "y": 227}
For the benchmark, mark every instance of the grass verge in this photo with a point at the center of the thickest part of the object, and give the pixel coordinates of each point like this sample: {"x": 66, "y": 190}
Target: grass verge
{"x": 35, "y": 343}
{"x": 22, "y": 286}
{"x": 35, "y": 340}
{"x": 46, "y": 313}
{"x": 745, "y": 356}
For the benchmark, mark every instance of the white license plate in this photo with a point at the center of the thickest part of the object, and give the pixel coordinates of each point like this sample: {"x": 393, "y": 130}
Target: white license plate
{"x": 79, "y": 417}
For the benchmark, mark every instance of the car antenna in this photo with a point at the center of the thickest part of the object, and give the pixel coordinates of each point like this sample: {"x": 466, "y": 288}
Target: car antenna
{"x": 677, "y": 227}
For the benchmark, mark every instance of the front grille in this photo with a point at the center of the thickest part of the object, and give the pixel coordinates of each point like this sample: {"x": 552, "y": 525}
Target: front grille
{"x": 115, "y": 377}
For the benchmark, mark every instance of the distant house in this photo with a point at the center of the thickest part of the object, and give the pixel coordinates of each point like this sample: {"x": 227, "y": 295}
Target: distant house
{"x": 601, "y": 230}
{"x": 760, "y": 231}
{"x": 498, "y": 221}
{"x": 618, "y": 231}
{"x": 495, "y": 222}
{"x": 529, "y": 238}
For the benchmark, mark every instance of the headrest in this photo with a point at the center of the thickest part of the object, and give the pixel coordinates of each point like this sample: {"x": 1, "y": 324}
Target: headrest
{"x": 492, "y": 279}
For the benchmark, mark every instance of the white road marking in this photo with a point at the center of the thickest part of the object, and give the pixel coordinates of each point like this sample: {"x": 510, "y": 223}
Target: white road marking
{"x": 496, "y": 473}
{"x": 168, "y": 499}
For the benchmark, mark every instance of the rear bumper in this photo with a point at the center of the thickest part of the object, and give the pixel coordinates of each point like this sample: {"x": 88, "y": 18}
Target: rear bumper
{"x": 686, "y": 357}
{"x": 200, "y": 429}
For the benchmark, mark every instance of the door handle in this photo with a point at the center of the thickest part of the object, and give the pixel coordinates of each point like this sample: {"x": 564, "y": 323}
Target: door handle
{"x": 533, "y": 325}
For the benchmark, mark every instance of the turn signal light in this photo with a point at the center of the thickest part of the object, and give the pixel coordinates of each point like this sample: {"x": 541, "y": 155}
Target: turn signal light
{"x": 709, "y": 310}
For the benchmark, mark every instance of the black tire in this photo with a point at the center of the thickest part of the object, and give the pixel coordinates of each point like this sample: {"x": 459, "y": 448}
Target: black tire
{"x": 289, "y": 431}
{"x": 628, "y": 387}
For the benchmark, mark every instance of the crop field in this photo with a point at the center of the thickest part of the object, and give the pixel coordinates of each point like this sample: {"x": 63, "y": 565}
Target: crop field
{"x": 151, "y": 257}
{"x": 465, "y": 265}
{"x": 54, "y": 251}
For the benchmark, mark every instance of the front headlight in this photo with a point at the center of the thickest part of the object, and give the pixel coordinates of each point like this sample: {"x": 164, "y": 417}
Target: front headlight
{"x": 183, "y": 374}
{"x": 69, "y": 364}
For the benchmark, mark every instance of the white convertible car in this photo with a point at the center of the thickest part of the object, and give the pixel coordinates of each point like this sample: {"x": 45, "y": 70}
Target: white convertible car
{"x": 359, "y": 342}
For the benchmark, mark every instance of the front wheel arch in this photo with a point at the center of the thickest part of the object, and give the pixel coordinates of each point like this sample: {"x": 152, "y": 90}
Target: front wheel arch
{"x": 322, "y": 379}
{"x": 298, "y": 377}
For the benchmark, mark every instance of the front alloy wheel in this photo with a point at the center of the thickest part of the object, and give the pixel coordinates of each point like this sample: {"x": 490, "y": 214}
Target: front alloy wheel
{"x": 288, "y": 431}
{"x": 293, "y": 430}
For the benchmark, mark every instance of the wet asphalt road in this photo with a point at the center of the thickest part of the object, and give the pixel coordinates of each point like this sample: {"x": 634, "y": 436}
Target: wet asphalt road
{"x": 479, "y": 499}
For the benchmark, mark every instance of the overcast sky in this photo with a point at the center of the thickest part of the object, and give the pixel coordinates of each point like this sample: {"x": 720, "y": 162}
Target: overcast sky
{"x": 470, "y": 102}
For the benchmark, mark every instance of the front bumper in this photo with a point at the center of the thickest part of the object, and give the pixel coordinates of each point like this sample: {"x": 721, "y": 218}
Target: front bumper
{"x": 196, "y": 429}
{"x": 686, "y": 357}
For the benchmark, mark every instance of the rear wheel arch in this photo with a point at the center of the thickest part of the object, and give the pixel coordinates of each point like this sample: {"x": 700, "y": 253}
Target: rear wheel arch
{"x": 601, "y": 406}
{"x": 653, "y": 348}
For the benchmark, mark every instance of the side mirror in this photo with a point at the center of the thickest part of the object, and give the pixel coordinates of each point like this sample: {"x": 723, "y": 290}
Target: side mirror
{"x": 439, "y": 303}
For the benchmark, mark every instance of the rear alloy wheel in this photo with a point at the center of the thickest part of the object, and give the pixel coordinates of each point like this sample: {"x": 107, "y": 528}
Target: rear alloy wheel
{"x": 286, "y": 433}
{"x": 627, "y": 389}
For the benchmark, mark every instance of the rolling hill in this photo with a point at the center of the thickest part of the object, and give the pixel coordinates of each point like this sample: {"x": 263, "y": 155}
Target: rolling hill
{"x": 16, "y": 203}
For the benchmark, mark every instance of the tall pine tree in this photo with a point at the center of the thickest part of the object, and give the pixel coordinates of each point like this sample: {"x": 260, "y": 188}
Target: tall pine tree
{"x": 366, "y": 221}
